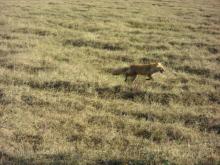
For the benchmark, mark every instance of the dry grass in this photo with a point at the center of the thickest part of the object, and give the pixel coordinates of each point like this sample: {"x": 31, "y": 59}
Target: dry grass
{"x": 59, "y": 105}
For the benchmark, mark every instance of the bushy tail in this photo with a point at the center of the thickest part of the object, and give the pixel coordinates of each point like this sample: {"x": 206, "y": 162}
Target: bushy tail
{"x": 119, "y": 71}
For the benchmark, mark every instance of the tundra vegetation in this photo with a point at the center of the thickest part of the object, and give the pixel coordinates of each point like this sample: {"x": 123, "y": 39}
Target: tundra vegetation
{"x": 60, "y": 105}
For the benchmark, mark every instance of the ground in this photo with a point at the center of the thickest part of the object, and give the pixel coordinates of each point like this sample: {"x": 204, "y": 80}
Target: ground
{"x": 59, "y": 104}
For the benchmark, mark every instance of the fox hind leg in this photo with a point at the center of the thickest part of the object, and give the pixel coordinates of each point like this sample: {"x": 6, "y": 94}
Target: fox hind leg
{"x": 126, "y": 77}
{"x": 133, "y": 78}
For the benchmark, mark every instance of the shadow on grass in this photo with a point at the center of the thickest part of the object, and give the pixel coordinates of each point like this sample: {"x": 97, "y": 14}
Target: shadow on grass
{"x": 35, "y": 31}
{"x": 199, "y": 71}
{"x": 4, "y": 100}
{"x": 34, "y": 140}
{"x": 128, "y": 93}
{"x": 149, "y": 159}
{"x": 164, "y": 134}
{"x": 55, "y": 159}
{"x": 7, "y": 36}
{"x": 212, "y": 49}
{"x": 94, "y": 44}
{"x": 64, "y": 159}
{"x": 152, "y": 47}
{"x": 27, "y": 68}
{"x": 121, "y": 162}
{"x": 32, "y": 100}
{"x": 4, "y": 53}
{"x": 123, "y": 58}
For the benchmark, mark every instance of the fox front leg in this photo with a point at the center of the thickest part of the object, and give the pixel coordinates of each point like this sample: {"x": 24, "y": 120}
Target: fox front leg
{"x": 126, "y": 77}
{"x": 133, "y": 77}
{"x": 150, "y": 77}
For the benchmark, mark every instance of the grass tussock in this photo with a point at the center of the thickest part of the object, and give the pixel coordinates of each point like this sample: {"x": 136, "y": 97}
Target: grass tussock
{"x": 60, "y": 104}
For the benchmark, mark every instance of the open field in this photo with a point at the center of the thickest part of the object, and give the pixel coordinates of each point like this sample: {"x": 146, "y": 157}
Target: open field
{"x": 60, "y": 105}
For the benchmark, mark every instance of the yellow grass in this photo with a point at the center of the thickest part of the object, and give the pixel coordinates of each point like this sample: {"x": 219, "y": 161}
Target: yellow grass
{"x": 60, "y": 105}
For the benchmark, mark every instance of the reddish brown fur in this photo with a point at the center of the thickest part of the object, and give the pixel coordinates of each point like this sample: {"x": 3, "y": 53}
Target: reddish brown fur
{"x": 141, "y": 69}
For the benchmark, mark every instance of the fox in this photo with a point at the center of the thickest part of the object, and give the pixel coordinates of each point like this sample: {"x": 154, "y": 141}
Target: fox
{"x": 139, "y": 69}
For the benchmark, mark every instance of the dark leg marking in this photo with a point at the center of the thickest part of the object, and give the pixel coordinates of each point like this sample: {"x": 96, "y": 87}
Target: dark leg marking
{"x": 150, "y": 77}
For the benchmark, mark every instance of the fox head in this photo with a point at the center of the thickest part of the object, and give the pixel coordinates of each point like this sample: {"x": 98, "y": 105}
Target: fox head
{"x": 160, "y": 67}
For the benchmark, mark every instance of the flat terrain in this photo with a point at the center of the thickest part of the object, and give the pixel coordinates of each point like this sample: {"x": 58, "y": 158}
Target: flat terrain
{"x": 59, "y": 104}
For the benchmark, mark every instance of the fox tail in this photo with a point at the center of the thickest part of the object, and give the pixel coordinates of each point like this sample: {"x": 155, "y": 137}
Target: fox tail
{"x": 119, "y": 71}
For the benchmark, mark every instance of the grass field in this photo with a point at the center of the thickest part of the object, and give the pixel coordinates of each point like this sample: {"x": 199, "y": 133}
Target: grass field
{"x": 60, "y": 105}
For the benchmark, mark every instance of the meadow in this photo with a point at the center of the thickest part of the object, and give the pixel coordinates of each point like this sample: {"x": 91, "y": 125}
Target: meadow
{"x": 59, "y": 104}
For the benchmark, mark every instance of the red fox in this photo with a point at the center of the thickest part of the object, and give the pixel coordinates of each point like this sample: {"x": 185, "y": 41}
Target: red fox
{"x": 142, "y": 69}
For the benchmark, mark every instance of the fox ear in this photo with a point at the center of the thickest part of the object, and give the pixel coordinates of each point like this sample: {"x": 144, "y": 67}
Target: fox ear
{"x": 159, "y": 64}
